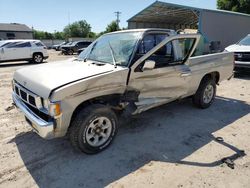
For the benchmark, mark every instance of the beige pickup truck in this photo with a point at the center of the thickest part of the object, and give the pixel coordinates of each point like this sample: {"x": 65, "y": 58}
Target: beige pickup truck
{"x": 121, "y": 73}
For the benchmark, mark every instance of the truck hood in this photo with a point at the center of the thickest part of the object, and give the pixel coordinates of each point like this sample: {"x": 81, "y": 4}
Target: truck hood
{"x": 238, "y": 48}
{"x": 42, "y": 79}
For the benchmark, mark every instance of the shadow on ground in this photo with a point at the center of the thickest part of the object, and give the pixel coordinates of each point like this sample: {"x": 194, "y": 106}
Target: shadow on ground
{"x": 168, "y": 134}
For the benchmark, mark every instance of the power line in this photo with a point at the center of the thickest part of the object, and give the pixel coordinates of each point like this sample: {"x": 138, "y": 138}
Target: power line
{"x": 117, "y": 13}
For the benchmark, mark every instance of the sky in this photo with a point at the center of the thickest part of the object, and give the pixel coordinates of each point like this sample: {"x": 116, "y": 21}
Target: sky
{"x": 54, "y": 15}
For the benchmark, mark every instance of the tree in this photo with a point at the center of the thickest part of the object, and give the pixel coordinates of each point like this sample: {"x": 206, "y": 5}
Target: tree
{"x": 46, "y": 35}
{"x": 242, "y": 6}
{"x": 59, "y": 35}
{"x": 113, "y": 26}
{"x": 39, "y": 34}
{"x": 78, "y": 29}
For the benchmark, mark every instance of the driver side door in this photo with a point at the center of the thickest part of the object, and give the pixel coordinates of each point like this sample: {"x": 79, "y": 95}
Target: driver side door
{"x": 161, "y": 75}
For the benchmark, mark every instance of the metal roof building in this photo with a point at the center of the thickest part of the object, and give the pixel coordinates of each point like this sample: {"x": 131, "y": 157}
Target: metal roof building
{"x": 15, "y": 31}
{"x": 215, "y": 25}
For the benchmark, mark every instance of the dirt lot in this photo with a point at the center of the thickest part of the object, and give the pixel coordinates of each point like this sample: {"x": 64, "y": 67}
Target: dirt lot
{"x": 170, "y": 146}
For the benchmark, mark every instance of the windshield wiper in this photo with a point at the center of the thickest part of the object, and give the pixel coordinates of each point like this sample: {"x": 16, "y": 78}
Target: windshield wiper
{"x": 97, "y": 63}
{"x": 112, "y": 54}
{"x": 78, "y": 59}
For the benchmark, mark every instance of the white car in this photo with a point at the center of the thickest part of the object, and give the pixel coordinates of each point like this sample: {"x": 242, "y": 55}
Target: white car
{"x": 23, "y": 50}
{"x": 242, "y": 53}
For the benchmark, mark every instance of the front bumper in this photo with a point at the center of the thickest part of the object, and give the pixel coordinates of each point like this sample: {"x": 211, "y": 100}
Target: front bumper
{"x": 41, "y": 127}
{"x": 242, "y": 64}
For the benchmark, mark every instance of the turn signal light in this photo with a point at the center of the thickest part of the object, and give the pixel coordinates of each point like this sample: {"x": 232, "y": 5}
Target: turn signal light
{"x": 55, "y": 109}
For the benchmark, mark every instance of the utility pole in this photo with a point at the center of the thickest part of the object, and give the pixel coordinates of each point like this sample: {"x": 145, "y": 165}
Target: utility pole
{"x": 117, "y": 13}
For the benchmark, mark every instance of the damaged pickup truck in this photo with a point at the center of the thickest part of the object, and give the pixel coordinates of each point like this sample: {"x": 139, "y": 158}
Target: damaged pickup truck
{"x": 125, "y": 72}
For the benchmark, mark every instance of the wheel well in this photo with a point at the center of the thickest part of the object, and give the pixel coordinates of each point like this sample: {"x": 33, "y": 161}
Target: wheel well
{"x": 37, "y": 53}
{"x": 214, "y": 76}
{"x": 109, "y": 100}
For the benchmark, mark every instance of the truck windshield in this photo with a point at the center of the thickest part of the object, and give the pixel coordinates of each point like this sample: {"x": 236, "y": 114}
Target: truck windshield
{"x": 115, "y": 48}
{"x": 245, "y": 41}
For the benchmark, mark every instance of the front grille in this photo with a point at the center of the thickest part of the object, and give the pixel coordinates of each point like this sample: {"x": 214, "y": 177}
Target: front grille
{"x": 39, "y": 113}
{"x": 23, "y": 95}
{"x": 242, "y": 56}
{"x": 17, "y": 90}
{"x": 30, "y": 99}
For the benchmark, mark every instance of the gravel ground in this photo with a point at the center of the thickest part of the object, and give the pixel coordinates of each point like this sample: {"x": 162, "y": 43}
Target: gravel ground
{"x": 170, "y": 146}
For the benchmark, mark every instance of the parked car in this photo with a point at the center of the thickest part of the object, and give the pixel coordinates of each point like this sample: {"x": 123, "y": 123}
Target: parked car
{"x": 57, "y": 46}
{"x": 72, "y": 48}
{"x": 23, "y": 50}
{"x": 242, "y": 53}
{"x": 80, "y": 50}
{"x": 5, "y": 42}
{"x": 120, "y": 74}
{"x": 66, "y": 44}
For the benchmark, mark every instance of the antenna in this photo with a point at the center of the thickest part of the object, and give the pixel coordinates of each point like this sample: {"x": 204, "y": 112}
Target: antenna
{"x": 117, "y": 13}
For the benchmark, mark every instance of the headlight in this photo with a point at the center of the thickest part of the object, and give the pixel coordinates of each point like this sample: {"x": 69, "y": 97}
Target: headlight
{"x": 53, "y": 108}
{"x": 46, "y": 104}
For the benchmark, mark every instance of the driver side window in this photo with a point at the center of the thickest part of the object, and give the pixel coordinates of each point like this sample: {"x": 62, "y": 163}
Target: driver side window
{"x": 172, "y": 53}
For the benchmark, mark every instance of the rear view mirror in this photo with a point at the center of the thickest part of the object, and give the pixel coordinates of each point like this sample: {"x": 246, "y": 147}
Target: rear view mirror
{"x": 148, "y": 65}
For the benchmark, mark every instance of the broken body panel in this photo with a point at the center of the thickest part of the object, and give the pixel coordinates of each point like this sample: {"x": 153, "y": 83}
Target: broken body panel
{"x": 75, "y": 83}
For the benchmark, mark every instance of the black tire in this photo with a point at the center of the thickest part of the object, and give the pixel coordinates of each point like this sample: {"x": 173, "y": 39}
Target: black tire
{"x": 198, "y": 98}
{"x": 70, "y": 52}
{"x": 81, "y": 127}
{"x": 37, "y": 58}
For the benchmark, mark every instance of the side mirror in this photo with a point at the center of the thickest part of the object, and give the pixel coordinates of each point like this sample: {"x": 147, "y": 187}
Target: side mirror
{"x": 148, "y": 65}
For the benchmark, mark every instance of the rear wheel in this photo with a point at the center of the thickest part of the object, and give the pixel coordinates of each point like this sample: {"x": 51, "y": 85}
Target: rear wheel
{"x": 70, "y": 52}
{"x": 37, "y": 58}
{"x": 205, "y": 94}
{"x": 93, "y": 129}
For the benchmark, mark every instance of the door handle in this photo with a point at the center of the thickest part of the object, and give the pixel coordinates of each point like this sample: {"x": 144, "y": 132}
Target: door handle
{"x": 185, "y": 74}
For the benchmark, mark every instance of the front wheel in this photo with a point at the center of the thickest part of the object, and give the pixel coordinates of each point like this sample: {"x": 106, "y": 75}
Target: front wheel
{"x": 93, "y": 129}
{"x": 37, "y": 58}
{"x": 205, "y": 94}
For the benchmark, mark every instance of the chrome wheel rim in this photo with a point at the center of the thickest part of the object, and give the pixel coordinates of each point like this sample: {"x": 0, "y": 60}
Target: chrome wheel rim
{"x": 98, "y": 131}
{"x": 208, "y": 94}
{"x": 38, "y": 58}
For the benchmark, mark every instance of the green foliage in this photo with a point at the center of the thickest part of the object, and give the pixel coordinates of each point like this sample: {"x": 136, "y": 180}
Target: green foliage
{"x": 100, "y": 34}
{"x": 113, "y": 26}
{"x": 46, "y": 35}
{"x": 78, "y": 29}
{"x": 39, "y": 34}
{"x": 242, "y": 6}
{"x": 59, "y": 35}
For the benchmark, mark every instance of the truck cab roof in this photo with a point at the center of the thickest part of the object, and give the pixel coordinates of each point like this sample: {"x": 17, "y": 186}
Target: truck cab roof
{"x": 145, "y": 30}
